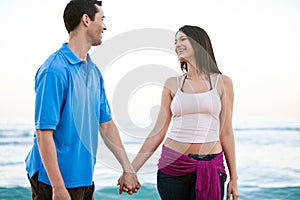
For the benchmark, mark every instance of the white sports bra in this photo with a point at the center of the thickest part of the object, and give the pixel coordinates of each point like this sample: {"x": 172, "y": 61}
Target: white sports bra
{"x": 196, "y": 116}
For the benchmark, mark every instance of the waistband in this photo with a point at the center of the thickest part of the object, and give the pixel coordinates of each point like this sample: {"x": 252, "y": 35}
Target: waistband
{"x": 207, "y": 178}
{"x": 202, "y": 157}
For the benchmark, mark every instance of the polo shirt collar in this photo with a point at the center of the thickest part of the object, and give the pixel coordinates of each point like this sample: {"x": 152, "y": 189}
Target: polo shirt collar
{"x": 70, "y": 56}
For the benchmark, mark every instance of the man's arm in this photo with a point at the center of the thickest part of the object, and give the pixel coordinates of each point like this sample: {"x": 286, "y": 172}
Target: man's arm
{"x": 111, "y": 137}
{"x": 49, "y": 158}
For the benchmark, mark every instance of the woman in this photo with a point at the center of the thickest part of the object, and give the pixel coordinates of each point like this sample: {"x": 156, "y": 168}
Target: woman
{"x": 200, "y": 104}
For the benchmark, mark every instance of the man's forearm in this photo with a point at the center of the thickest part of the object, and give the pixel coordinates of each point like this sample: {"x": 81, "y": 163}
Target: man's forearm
{"x": 49, "y": 157}
{"x": 111, "y": 137}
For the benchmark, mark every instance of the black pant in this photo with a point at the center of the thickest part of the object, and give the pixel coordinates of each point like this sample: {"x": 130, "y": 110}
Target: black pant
{"x": 42, "y": 191}
{"x": 182, "y": 187}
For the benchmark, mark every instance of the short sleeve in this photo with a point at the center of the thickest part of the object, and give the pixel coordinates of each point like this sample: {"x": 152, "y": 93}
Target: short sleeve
{"x": 105, "y": 112}
{"x": 49, "y": 88}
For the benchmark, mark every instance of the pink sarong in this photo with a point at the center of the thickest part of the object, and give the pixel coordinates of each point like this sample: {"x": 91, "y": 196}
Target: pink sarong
{"x": 207, "y": 172}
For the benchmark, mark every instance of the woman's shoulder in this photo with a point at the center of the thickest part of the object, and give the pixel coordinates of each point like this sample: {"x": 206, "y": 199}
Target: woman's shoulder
{"x": 173, "y": 82}
{"x": 226, "y": 80}
{"x": 224, "y": 84}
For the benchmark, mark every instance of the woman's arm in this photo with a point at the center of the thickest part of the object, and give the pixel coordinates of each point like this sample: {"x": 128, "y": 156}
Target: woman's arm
{"x": 159, "y": 131}
{"x": 227, "y": 136}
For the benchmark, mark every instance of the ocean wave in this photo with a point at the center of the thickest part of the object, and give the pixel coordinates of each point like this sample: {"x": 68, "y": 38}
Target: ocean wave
{"x": 2, "y": 143}
{"x": 15, "y": 133}
{"x": 11, "y": 163}
{"x": 267, "y": 128}
{"x": 269, "y": 193}
{"x": 149, "y": 192}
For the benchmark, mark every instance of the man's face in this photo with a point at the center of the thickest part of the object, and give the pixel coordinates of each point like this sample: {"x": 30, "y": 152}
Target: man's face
{"x": 97, "y": 27}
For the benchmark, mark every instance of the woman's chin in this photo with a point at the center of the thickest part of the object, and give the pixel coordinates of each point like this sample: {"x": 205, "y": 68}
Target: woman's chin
{"x": 181, "y": 59}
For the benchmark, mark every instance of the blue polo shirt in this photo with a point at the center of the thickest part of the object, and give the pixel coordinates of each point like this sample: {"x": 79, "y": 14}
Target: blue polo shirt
{"x": 71, "y": 101}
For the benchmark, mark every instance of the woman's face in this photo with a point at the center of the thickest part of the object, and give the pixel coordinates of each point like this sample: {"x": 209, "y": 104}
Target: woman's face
{"x": 183, "y": 47}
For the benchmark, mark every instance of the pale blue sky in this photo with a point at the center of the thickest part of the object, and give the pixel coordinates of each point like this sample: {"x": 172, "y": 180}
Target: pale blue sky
{"x": 256, "y": 43}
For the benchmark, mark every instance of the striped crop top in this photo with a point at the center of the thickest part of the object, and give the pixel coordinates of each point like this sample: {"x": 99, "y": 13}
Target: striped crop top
{"x": 196, "y": 116}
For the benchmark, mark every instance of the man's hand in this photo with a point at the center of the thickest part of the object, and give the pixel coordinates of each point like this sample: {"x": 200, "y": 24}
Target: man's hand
{"x": 60, "y": 194}
{"x": 129, "y": 183}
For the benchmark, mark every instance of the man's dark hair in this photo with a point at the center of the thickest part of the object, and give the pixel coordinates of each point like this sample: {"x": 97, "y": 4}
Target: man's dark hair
{"x": 75, "y": 9}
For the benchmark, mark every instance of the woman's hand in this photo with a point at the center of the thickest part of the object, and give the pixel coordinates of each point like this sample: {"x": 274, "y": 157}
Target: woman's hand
{"x": 232, "y": 189}
{"x": 128, "y": 183}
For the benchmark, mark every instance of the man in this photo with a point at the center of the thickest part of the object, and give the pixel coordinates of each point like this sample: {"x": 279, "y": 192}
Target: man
{"x": 70, "y": 105}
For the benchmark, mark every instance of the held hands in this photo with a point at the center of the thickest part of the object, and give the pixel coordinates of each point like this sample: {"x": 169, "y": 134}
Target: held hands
{"x": 128, "y": 183}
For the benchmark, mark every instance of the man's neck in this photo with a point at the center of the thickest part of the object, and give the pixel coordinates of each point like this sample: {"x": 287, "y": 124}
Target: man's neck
{"x": 79, "y": 46}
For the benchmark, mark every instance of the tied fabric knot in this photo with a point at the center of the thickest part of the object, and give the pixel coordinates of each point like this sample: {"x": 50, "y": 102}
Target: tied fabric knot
{"x": 208, "y": 181}
{"x": 207, "y": 172}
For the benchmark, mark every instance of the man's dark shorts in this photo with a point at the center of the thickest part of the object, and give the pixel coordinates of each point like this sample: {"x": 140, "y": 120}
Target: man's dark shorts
{"x": 42, "y": 191}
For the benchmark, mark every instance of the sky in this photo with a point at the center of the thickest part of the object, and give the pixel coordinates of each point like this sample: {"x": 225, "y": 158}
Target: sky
{"x": 256, "y": 44}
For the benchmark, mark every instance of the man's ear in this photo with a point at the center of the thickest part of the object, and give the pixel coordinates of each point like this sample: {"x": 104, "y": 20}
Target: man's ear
{"x": 85, "y": 19}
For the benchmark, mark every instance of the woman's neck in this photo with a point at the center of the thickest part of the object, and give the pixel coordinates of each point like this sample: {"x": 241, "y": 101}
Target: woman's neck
{"x": 193, "y": 72}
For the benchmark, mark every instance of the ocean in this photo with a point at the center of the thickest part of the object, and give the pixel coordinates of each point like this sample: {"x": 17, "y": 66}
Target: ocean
{"x": 267, "y": 151}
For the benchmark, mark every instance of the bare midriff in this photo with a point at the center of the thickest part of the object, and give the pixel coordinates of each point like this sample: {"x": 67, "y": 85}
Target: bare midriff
{"x": 194, "y": 148}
